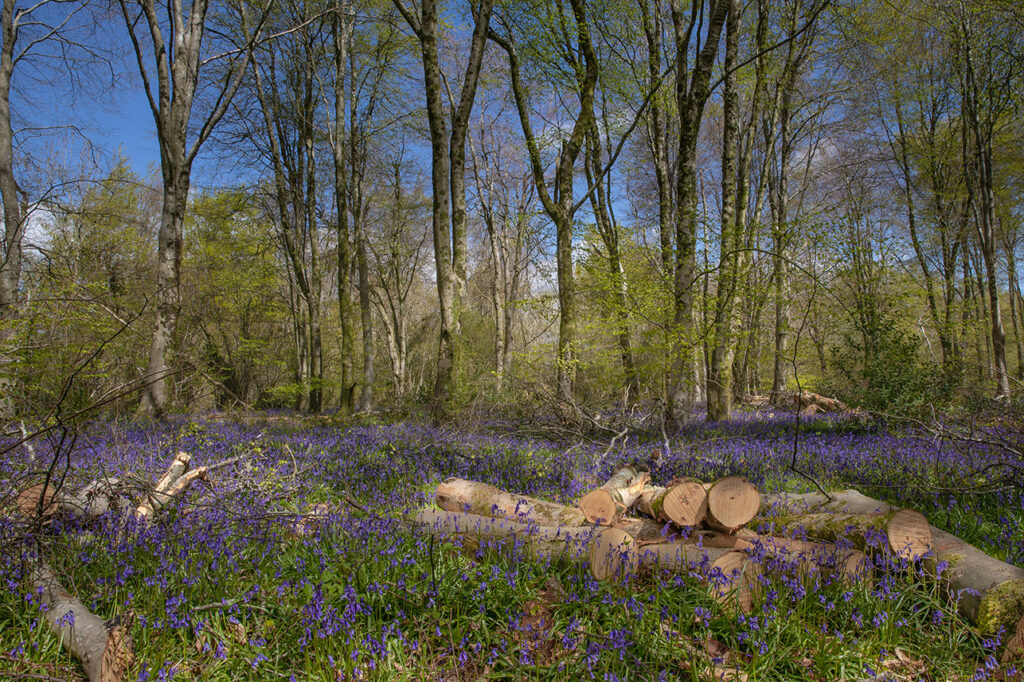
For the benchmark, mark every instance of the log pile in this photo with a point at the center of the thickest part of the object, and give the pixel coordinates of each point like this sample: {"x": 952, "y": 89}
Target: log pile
{"x": 807, "y": 404}
{"x": 702, "y": 528}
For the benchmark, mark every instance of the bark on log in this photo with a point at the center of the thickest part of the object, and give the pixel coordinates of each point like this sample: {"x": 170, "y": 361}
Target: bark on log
{"x": 683, "y": 504}
{"x": 105, "y": 652}
{"x": 607, "y": 504}
{"x": 850, "y": 564}
{"x": 539, "y": 541}
{"x": 907, "y": 531}
{"x": 991, "y": 591}
{"x": 89, "y": 503}
{"x": 460, "y": 495}
{"x": 732, "y": 503}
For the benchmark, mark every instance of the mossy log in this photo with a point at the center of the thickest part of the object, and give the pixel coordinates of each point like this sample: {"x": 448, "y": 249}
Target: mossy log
{"x": 606, "y": 505}
{"x": 683, "y": 504}
{"x": 460, "y": 495}
{"x": 991, "y": 592}
{"x": 906, "y": 531}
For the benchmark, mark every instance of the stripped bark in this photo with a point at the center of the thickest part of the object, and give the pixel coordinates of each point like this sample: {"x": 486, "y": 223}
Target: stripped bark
{"x": 607, "y": 504}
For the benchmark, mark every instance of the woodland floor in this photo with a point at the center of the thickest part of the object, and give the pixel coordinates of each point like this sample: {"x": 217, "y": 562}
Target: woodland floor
{"x": 223, "y": 588}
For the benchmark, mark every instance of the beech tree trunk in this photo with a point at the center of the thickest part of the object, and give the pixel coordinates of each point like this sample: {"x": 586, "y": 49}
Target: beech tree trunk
{"x": 177, "y": 77}
{"x": 341, "y": 30}
{"x": 448, "y": 170}
{"x": 691, "y": 96}
{"x": 719, "y": 377}
{"x": 560, "y": 207}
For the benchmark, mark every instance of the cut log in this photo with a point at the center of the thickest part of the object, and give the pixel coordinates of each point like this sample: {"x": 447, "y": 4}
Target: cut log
{"x": 89, "y": 503}
{"x": 607, "y": 504}
{"x": 991, "y": 592}
{"x": 732, "y": 503}
{"x": 613, "y": 553}
{"x": 806, "y": 399}
{"x": 460, "y": 495}
{"x": 683, "y": 504}
{"x": 733, "y": 577}
{"x": 1014, "y": 650}
{"x": 35, "y": 500}
{"x": 907, "y": 531}
{"x": 539, "y": 541}
{"x": 105, "y": 651}
{"x": 850, "y": 564}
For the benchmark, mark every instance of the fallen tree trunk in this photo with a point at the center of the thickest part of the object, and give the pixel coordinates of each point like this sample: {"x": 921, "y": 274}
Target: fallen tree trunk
{"x": 539, "y": 541}
{"x": 907, "y": 531}
{"x": 732, "y": 503}
{"x": 606, "y": 505}
{"x": 683, "y": 504}
{"x": 105, "y": 651}
{"x": 991, "y": 592}
{"x": 89, "y": 503}
{"x": 850, "y": 564}
{"x": 460, "y": 495}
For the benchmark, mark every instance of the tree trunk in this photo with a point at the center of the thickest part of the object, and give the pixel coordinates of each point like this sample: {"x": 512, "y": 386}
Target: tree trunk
{"x": 691, "y": 97}
{"x": 448, "y": 161}
{"x": 369, "y": 371}
{"x": 560, "y": 207}
{"x": 459, "y": 495}
{"x": 1016, "y": 308}
{"x": 168, "y": 289}
{"x": 651, "y": 14}
{"x": 609, "y": 231}
{"x": 341, "y": 29}
{"x": 14, "y": 209}
{"x": 719, "y": 376}
{"x": 104, "y": 650}
{"x": 14, "y": 214}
